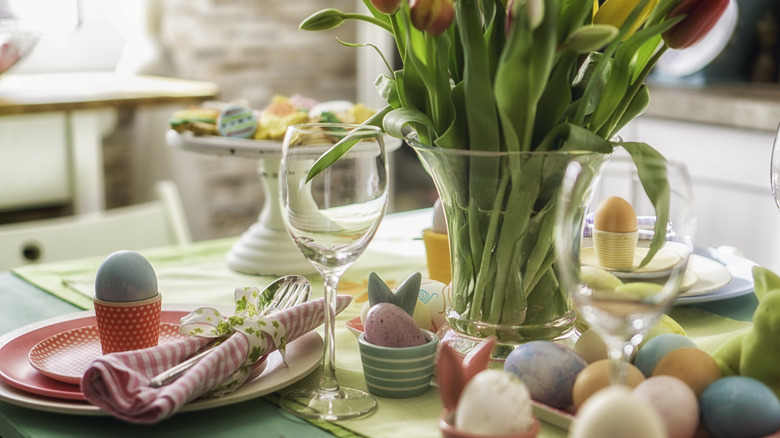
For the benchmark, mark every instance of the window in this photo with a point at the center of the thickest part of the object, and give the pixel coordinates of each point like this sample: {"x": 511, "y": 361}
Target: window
{"x": 49, "y": 16}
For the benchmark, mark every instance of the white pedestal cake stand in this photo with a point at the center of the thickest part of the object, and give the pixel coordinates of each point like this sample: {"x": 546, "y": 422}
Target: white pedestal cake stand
{"x": 266, "y": 247}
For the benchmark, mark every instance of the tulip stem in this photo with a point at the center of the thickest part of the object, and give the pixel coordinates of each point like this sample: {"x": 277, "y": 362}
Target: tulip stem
{"x": 369, "y": 19}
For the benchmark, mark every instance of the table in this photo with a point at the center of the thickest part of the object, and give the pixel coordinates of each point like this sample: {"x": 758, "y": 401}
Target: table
{"x": 65, "y": 116}
{"x": 396, "y": 252}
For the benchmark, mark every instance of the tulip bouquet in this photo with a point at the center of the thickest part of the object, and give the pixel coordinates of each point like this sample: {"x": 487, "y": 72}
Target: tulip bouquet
{"x": 519, "y": 75}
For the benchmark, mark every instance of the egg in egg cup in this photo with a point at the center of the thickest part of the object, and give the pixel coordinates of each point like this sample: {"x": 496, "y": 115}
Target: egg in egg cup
{"x": 127, "y": 303}
{"x": 615, "y": 233}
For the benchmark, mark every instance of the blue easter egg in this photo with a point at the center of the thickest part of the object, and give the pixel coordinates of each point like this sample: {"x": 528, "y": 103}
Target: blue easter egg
{"x": 125, "y": 276}
{"x": 654, "y": 349}
{"x": 737, "y": 406}
{"x": 548, "y": 369}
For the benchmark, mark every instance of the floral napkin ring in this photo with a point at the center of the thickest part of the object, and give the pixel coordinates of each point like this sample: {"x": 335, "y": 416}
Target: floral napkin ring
{"x": 211, "y": 323}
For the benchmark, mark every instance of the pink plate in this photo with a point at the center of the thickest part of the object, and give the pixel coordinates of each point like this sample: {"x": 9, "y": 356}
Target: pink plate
{"x": 15, "y": 368}
{"x": 67, "y": 355}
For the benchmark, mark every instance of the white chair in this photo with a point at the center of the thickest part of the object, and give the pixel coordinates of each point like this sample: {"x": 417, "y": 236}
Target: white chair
{"x": 156, "y": 223}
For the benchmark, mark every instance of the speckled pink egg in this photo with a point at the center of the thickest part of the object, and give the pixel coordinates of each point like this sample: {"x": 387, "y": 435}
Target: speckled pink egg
{"x": 388, "y": 325}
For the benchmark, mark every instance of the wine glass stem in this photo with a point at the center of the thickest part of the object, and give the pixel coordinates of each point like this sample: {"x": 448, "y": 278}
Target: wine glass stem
{"x": 619, "y": 352}
{"x": 328, "y": 381}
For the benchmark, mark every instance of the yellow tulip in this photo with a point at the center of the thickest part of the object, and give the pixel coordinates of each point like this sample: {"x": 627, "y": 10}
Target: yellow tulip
{"x": 616, "y": 12}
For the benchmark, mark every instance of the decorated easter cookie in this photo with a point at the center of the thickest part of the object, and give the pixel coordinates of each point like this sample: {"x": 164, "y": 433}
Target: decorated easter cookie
{"x": 237, "y": 121}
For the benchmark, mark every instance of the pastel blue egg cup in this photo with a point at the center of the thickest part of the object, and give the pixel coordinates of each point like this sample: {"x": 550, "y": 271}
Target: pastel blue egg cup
{"x": 398, "y": 372}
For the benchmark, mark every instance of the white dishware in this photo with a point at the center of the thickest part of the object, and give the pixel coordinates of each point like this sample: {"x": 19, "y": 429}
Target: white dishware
{"x": 332, "y": 216}
{"x": 622, "y": 304}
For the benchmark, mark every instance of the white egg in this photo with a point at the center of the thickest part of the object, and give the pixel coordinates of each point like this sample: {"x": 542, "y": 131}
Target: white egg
{"x": 434, "y": 295}
{"x": 614, "y": 412}
{"x": 439, "y": 223}
{"x": 494, "y": 402}
{"x": 675, "y": 401}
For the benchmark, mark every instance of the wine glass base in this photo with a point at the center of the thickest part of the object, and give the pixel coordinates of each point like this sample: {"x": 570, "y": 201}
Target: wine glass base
{"x": 316, "y": 404}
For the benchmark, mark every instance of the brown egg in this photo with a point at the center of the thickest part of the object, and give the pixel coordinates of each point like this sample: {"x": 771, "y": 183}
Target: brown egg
{"x": 596, "y": 376}
{"x": 692, "y": 365}
{"x": 616, "y": 215}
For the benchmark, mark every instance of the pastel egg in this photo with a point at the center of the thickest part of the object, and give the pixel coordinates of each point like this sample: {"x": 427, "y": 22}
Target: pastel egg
{"x": 615, "y": 412}
{"x": 657, "y": 347}
{"x": 125, "y": 276}
{"x": 596, "y": 376}
{"x": 692, "y": 365}
{"x": 494, "y": 402}
{"x": 433, "y": 295}
{"x": 388, "y": 325}
{"x": 615, "y": 214}
{"x": 737, "y": 406}
{"x": 549, "y": 370}
{"x": 590, "y": 346}
{"x": 237, "y": 121}
{"x": 674, "y": 401}
{"x": 422, "y": 316}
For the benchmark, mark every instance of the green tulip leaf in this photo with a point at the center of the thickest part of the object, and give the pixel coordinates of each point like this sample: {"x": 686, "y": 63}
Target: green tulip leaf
{"x": 651, "y": 170}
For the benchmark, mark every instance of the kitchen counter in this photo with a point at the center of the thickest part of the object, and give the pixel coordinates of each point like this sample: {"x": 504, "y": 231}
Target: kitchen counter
{"x": 742, "y": 106}
{"x": 33, "y": 93}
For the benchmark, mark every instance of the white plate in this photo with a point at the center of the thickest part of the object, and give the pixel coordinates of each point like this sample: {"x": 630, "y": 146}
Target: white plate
{"x": 741, "y": 282}
{"x": 303, "y": 356}
{"x": 710, "y": 274}
{"x": 240, "y": 147}
{"x": 214, "y": 144}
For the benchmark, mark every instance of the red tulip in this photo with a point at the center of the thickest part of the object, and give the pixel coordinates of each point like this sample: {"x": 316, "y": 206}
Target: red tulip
{"x": 432, "y": 16}
{"x": 388, "y": 7}
{"x": 701, "y": 16}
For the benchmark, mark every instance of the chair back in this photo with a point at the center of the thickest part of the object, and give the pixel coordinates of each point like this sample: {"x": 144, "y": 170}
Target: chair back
{"x": 136, "y": 227}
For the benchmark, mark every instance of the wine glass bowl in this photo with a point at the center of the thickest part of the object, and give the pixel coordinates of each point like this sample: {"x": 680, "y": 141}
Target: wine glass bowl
{"x": 775, "y": 168}
{"x": 332, "y": 216}
{"x": 622, "y": 300}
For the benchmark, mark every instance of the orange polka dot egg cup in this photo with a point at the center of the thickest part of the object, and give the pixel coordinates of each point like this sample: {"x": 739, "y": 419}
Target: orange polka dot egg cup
{"x": 130, "y": 325}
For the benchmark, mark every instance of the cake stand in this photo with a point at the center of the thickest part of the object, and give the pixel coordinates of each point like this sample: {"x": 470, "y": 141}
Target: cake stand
{"x": 266, "y": 248}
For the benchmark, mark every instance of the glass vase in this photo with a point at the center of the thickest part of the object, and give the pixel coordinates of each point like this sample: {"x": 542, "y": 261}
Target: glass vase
{"x": 500, "y": 213}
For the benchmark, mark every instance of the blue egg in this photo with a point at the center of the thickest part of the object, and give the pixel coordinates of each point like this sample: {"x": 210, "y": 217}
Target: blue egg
{"x": 548, "y": 369}
{"x": 737, "y": 406}
{"x": 125, "y": 276}
{"x": 655, "y": 348}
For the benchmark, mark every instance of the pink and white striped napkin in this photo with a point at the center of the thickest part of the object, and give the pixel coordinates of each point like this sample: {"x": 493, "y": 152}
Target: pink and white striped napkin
{"x": 118, "y": 382}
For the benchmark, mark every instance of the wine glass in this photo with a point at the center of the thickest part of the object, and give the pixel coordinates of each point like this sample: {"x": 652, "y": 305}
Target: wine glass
{"x": 622, "y": 280}
{"x": 775, "y": 168}
{"x": 331, "y": 219}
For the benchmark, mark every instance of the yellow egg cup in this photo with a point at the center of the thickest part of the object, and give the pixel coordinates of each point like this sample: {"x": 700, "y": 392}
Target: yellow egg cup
{"x": 615, "y": 250}
{"x": 437, "y": 253}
